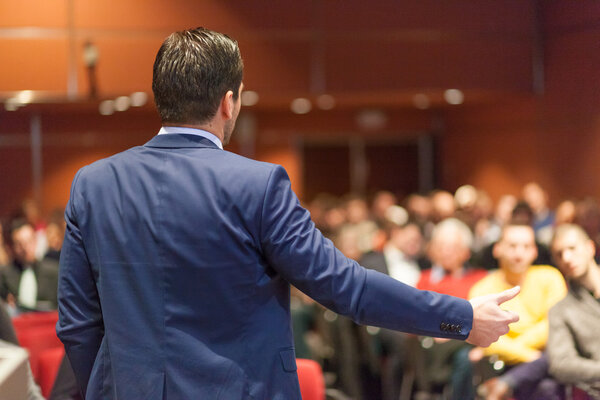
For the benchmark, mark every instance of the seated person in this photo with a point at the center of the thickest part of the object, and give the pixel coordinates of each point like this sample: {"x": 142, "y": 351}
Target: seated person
{"x": 449, "y": 252}
{"x": 27, "y": 282}
{"x": 401, "y": 257}
{"x": 522, "y": 214}
{"x": 574, "y": 345}
{"x": 541, "y": 287}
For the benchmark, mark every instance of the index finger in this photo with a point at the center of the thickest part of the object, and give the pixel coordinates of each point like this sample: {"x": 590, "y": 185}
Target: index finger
{"x": 507, "y": 294}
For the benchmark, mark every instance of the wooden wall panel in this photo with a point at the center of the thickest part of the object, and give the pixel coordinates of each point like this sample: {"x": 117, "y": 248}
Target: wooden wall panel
{"x": 15, "y": 178}
{"x": 462, "y": 15}
{"x": 275, "y": 67}
{"x": 33, "y": 13}
{"x": 33, "y": 64}
{"x": 389, "y": 64}
{"x": 124, "y": 65}
{"x": 152, "y": 15}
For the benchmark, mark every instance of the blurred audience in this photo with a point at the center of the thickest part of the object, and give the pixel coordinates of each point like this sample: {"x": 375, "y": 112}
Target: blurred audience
{"x": 402, "y": 254}
{"x": 543, "y": 216}
{"x": 435, "y": 241}
{"x": 359, "y": 223}
{"x": 4, "y": 252}
{"x": 382, "y": 201}
{"x": 442, "y": 205}
{"x": 30, "y": 211}
{"x": 26, "y": 282}
{"x": 55, "y": 233}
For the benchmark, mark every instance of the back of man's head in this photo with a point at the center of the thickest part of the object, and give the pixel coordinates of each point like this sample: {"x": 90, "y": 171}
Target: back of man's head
{"x": 193, "y": 70}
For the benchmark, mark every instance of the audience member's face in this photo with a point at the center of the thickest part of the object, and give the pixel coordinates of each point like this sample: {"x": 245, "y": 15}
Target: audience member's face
{"x": 24, "y": 244}
{"x": 449, "y": 252}
{"x": 443, "y": 205}
{"x": 334, "y": 218}
{"x": 408, "y": 239}
{"x": 382, "y": 202}
{"x": 55, "y": 236}
{"x": 357, "y": 211}
{"x": 565, "y": 213}
{"x": 347, "y": 243}
{"x": 535, "y": 196}
{"x": 516, "y": 250}
{"x": 419, "y": 207}
{"x": 573, "y": 254}
{"x": 505, "y": 207}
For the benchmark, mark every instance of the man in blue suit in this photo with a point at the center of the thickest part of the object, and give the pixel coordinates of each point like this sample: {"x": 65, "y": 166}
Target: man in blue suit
{"x": 177, "y": 260}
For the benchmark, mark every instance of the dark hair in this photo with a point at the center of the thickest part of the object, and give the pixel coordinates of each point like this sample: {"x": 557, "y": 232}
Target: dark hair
{"x": 18, "y": 223}
{"x": 522, "y": 214}
{"x": 192, "y": 72}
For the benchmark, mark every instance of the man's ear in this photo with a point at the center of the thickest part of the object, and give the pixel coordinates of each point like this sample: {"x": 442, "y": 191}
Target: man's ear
{"x": 496, "y": 250}
{"x": 227, "y": 105}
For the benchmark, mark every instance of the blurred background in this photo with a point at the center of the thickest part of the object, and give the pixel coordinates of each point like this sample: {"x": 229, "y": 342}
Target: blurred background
{"x": 349, "y": 96}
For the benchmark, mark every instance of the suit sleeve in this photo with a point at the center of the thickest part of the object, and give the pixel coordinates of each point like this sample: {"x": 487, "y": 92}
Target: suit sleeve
{"x": 299, "y": 252}
{"x": 80, "y": 326}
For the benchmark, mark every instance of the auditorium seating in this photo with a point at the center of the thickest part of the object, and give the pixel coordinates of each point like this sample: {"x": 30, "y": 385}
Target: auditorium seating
{"x": 312, "y": 383}
{"x": 36, "y": 332}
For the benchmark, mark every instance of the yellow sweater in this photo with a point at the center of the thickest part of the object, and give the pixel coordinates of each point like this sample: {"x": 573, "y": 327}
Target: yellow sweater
{"x": 542, "y": 287}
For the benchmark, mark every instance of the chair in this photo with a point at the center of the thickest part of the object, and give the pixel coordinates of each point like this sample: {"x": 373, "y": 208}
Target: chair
{"x": 36, "y": 332}
{"x": 48, "y": 365}
{"x": 35, "y": 319}
{"x": 312, "y": 383}
{"x": 35, "y": 340}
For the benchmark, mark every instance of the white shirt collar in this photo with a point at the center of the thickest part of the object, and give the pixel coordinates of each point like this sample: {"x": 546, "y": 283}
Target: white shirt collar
{"x": 191, "y": 131}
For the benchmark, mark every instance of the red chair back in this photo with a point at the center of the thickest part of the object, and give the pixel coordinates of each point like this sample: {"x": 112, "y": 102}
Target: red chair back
{"x": 36, "y": 332}
{"x": 48, "y": 365}
{"x": 310, "y": 376}
{"x": 35, "y": 319}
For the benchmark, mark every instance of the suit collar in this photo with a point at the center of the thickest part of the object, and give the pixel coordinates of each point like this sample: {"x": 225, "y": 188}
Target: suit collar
{"x": 176, "y": 140}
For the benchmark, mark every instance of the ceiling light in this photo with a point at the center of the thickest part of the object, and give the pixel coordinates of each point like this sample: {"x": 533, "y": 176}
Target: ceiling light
{"x": 372, "y": 119}
{"x": 107, "y": 107}
{"x": 122, "y": 103}
{"x": 249, "y": 98}
{"x": 25, "y": 96}
{"x": 138, "y": 99}
{"x": 421, "y": 101}
{"x": 301, "y": 105}
{"x": 325, "y": 102}
{"x": 454, "y": 96}
{"x": 11, "y": 104}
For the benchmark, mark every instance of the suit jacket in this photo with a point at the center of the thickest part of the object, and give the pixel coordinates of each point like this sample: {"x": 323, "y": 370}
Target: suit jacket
{"x": 574, "y": 345}
{"x": 175, "y": 272}
{"x": 46, "y": 276}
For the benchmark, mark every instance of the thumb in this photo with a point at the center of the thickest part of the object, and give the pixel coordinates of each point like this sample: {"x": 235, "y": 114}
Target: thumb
{"x": 507, "y": 294}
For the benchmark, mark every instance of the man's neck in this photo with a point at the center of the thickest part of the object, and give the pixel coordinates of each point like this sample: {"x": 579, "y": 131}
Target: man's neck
{"x": 513, "y": 278}
{"x": 208, "y": 127}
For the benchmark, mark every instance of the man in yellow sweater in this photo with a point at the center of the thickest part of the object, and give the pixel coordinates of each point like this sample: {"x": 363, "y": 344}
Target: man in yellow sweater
{"x": 542, "y": 286}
